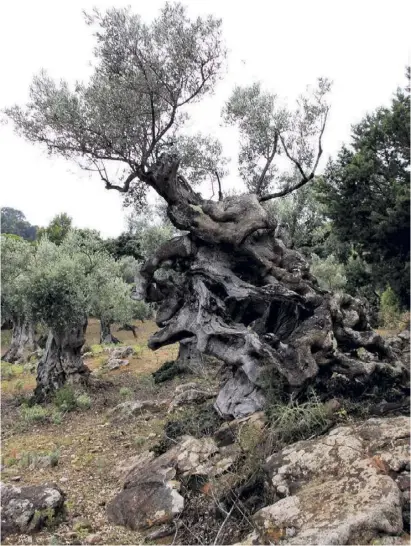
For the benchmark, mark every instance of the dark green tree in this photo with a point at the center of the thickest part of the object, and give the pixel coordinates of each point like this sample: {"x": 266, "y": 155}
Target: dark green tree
{"x": 14, "y": 222}
{"x": 366, "y": 194}
{"x": 57, "y": 229}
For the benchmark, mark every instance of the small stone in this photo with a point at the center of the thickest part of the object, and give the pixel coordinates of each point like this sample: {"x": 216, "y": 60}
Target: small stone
{"x": 64, "y": 479}
{"x": 283, "y": 491}
{"x": 15, "y": 478}
{"x": 93, "y": 539}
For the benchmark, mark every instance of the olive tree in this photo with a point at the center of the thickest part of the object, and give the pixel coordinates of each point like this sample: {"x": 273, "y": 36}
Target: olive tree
{"x": 16, "y": 259}
{"x": 228, "y": 286}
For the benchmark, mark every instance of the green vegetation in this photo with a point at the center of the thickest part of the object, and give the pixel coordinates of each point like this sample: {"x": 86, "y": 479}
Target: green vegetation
{"x": 390, "y": 314}
{"x": 34, "y": 414}
{"x": 295, "y": 421}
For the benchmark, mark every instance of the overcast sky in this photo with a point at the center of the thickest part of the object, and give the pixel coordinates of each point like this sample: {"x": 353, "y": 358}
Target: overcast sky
{"x": 362, "y": 45}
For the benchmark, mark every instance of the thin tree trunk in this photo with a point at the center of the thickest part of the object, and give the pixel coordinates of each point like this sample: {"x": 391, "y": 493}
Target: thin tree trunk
{"x": 61, "y": 362}
{"x": 105, "y": 333}
{"x": 22, "y": 341}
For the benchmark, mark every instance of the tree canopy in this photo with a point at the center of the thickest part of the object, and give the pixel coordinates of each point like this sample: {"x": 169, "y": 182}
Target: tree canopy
{"x": 134, "y": 109}
{"x": 14, "y": 222}
{"x": 365, "y": 192}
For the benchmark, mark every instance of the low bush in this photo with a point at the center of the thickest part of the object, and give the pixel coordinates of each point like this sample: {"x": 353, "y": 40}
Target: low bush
{"x": 34, "y": 414}
{"x": 125, "y": 392}
{"x": 57, "y": 417}
{"x": 65, "y": 398}
{"x": 83, "y": 401}
{"x": 389, "y": 315}
{"x": 9, "y": 371}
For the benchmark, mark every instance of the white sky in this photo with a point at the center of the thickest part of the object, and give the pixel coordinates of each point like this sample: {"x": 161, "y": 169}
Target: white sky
{"x": 362, "y": 45}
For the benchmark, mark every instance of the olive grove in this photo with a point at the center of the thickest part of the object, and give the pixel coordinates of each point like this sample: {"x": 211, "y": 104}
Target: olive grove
{"x": 230, "y": 286}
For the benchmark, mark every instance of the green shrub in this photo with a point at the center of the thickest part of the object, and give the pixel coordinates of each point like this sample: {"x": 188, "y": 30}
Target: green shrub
{"x": 65, "y": 398}
{"x": 390, "y": 315}
{"x": 83, "y": 401}
{"x": 97, "y": 349}
{"x": 9, "y": 371}
{"x": 34, "y": 414}
{"x": 329, "y": 273}
{"x": 57, "y": 417}
{"x": 125, "y": 392}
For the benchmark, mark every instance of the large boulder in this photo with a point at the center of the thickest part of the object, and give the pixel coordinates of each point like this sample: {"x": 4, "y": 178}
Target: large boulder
{"x": 151, "y": 487}
{"x": 342, "y": 488}
{"x": 28, "y": 509}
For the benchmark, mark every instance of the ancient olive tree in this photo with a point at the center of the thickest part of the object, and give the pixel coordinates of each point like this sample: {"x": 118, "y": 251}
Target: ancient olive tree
{"x": 66, "y": 284}
{"x": 229, "y": 287}
{"x": 16, "y": 258}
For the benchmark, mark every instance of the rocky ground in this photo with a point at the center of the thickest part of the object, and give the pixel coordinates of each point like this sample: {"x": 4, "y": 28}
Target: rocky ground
{"x": 144, "y": 462}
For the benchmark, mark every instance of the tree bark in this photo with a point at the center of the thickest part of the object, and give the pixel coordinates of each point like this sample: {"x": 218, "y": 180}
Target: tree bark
{"x": 22, "y": 341}
{"x": 234, "y": 290}
{"x": 190, "y": 357}
{"x": 61, "y": 362}
{"x": 105, "y": 333}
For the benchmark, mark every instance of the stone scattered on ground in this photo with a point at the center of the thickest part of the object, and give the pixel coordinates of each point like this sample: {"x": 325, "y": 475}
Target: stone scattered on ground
{"x": 151, "y": 486}
{"x": 340, "y": 488}
{"x": 120, "y": 352}
{"x": 127, "y": 410}
{"x": 189, "y": 393}
{"x": 29, "y": 509}
{"x": 115, "y": 363}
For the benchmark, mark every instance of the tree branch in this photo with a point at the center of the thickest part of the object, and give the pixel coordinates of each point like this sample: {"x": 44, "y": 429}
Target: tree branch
{"x": 267, "y": 165}
{"x": 304, "y": 178}
{"x": 220, "y": 193}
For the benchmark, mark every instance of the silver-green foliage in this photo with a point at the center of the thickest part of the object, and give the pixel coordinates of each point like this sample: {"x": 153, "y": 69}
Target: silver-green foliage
{"x": 132, "y": 108}
{"x": 329, "y": 272}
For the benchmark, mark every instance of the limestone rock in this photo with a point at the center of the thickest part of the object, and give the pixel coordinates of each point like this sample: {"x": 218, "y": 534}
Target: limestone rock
{"x": 340, "y": 486}
{"x": 150, "y": 494}
{"x": 121, "y": 352}
{"x": 126, "y": 468}
{"x": 188, "y": 393}
{"x": 28, "y": 509}
{"x": 129, "y": 409}
{"x": 115, "y": 363}
{"x": 146, "y": 504}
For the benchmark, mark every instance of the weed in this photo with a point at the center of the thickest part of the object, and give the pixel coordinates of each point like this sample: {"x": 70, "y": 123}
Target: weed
{"x": 8, "y": 371}
{"x": 292, "y": 422}
{"x": 65, "y": 398}
{"x": 83, "y": 401}
{"x": 139, "y": 441}
{"x": 34, "y": 414}
{"x": 125, "y": 392}
{"x": 146, "y": 382}
{"x": 57, "y": 417}
{"x": 97, "y": 349}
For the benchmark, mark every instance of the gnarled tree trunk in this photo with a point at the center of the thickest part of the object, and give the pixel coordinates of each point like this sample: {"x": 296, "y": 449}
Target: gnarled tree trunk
{"x": 235, "y": 291}
{"x": 61, "y": 362}
{"x": 22, "y": 341}
{"x": 105, "y": 333}
{"x": 189, "y": 356}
